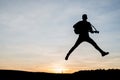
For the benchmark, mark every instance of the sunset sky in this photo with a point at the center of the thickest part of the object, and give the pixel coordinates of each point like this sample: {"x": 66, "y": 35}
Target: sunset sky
{"x": 35, "y": 35}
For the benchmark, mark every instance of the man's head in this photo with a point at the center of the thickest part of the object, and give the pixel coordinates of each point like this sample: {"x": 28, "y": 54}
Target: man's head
{"x": 84, "y": 16}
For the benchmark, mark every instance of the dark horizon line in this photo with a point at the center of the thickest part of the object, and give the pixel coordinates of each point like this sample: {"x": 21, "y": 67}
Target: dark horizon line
{"x": 60, "y": 73}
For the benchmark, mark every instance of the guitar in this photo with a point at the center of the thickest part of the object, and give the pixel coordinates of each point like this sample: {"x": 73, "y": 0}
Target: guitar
{"x": 96, "y": 31}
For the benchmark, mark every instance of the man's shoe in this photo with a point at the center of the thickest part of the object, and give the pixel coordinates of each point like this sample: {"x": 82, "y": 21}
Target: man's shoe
{"x": 66, "y": 58}
{"x": 105, "y": 53}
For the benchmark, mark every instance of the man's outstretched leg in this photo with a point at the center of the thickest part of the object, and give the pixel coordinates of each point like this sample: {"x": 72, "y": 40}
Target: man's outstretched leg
{"x": 72, "y": 49}
{"x": 103, "y": 53}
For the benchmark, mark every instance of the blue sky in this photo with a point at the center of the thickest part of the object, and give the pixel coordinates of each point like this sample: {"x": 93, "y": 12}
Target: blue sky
{"x": 36, "y": 35}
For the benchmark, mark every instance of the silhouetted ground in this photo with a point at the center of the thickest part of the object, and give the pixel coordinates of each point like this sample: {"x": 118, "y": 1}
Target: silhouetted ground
{"x": 111, "y": 74}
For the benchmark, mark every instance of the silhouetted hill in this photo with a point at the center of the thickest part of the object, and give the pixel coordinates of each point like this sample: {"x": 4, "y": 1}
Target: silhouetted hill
{"x": 111, "y": 74}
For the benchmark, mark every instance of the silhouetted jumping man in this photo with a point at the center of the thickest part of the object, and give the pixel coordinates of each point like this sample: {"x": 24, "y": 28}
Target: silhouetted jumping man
{"x": 82, "y": 28}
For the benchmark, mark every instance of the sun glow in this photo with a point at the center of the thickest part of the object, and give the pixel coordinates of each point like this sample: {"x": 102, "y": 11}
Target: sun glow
{"x": 59, "y": 69}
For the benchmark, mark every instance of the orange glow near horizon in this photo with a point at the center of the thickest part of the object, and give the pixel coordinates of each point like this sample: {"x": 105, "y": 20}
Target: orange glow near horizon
{"x": 50, "y": 69}
{"x": 59, "y": 69}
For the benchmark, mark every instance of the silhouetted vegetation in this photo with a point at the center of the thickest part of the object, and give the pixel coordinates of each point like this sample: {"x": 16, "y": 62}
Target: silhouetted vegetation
{"x": 101, "y": 74}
